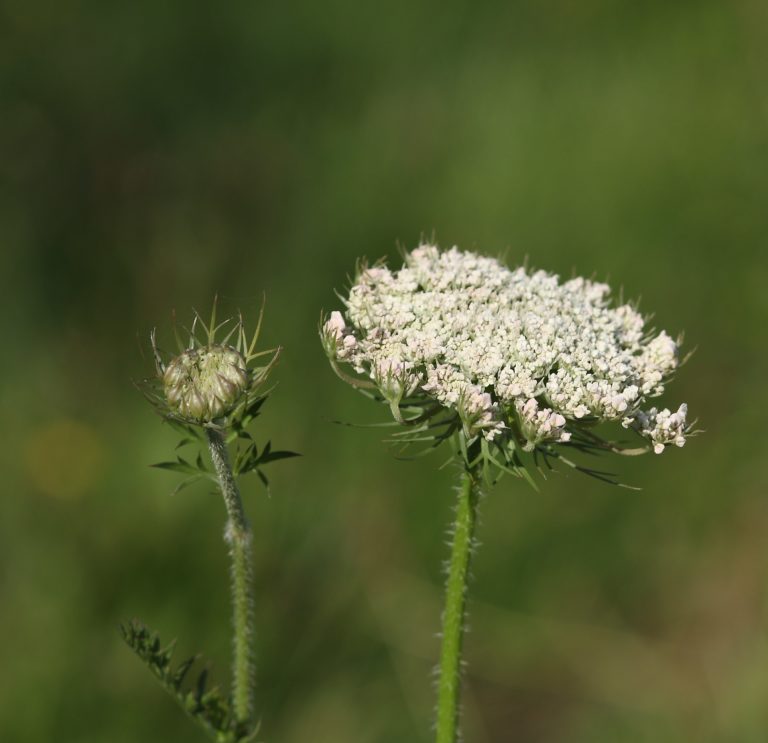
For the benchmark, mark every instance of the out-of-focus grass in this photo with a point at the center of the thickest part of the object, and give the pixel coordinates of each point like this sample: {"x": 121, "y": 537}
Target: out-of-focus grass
{"x": 153, "y": 154}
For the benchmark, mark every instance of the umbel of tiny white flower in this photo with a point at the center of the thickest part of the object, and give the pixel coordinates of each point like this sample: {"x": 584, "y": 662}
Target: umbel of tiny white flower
{"x": 662, "y": 427}
{"x": 511, "y": 367}
{"x": 210, "y": 381}
{"x": 517, "y": 360}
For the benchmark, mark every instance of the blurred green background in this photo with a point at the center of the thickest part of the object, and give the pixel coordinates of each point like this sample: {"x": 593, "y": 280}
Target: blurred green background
{"x": 153, "y": 153}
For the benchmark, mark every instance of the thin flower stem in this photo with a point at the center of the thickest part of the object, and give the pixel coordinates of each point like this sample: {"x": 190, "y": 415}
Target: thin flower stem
{"x": 238, "y": 537}
{"x": 449, "y": 684}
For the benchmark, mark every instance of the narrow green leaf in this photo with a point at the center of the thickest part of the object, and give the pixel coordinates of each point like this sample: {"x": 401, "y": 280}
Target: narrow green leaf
{"x": 263, "y": 479}
{"x": 200, "y": 463}
{"x": 180, "y": 466}
{"x": 274, "y": 456}
{"x": 186, "y": 483}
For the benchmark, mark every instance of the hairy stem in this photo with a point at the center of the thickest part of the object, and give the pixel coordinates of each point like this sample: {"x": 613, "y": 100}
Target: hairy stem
{"x": 449, "y": 684}
{"x": 238, "y": 537}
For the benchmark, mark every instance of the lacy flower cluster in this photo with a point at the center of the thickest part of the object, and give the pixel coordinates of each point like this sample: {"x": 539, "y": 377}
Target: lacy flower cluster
{"x": 513, "y": 353}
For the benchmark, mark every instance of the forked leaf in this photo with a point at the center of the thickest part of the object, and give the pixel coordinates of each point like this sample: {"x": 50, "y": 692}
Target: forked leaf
{"x": 206, "y": 707}
{"x": 186, "y": 483}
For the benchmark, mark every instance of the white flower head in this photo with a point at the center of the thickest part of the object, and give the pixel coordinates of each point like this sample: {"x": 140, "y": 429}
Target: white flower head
{"x": 540, "y": 424}
{"x": 661, "y": 427}
{"x": 513, "y": 354}
{"x": 479, "y": 414}
{"x": 338, "y": 341}
{"x": 394, "y": 379}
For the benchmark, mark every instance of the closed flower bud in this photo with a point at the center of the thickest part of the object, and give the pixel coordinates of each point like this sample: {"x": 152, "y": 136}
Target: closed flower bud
{"x": 337, "y": 339}
{"x": 205, "y": 383}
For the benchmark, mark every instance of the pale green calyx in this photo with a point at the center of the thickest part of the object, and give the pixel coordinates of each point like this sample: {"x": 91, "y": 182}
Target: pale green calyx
{"x": 205, "y": 383}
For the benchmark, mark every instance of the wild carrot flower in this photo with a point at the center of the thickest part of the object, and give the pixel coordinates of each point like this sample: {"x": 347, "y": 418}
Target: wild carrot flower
{"x": 513, "y": 367}
{"x": 522, "y": 359}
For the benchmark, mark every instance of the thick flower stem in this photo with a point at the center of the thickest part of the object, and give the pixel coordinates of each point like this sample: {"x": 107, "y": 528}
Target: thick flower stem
{"x": 449, "y": 685}
{"x": 238, "y": 537}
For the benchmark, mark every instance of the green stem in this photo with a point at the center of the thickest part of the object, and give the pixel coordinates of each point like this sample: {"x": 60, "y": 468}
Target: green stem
{"x": 449, "y": 685}
{"x": 238, "y": 537}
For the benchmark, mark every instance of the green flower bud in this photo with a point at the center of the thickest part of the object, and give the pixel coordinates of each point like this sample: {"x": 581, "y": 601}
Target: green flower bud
{"x": 205, "y": 383}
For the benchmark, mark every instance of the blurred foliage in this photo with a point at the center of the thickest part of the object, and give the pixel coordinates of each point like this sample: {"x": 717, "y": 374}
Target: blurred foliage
{"x": 156, "y": 153}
